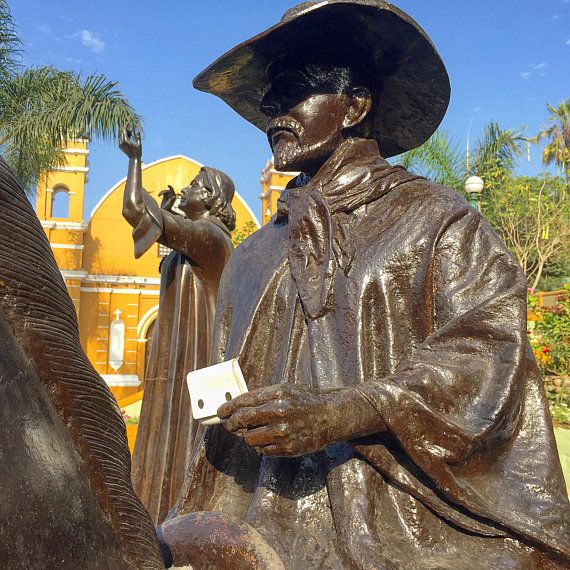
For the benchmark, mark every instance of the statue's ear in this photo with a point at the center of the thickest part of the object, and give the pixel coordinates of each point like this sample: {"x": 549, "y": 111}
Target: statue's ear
{"x": 359, "y": 107}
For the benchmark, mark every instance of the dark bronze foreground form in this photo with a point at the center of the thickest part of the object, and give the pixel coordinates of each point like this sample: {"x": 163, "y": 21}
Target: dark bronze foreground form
{"x": 396, "y": 417}
{"x": 66, "y": 499}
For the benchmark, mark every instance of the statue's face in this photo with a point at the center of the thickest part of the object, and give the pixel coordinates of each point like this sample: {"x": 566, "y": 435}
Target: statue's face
{"x": 306, "y": 122}
{"x": 195, "y": 197}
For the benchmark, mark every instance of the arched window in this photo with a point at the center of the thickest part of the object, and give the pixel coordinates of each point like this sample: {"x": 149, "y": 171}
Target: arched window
{"x": 60, "y": 202}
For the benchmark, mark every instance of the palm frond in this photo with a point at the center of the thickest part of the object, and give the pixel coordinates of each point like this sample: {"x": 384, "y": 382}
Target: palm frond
{"x": 42, "y": 108}
{"x": 10, "y": 43}
{"x": 439, "y": 159}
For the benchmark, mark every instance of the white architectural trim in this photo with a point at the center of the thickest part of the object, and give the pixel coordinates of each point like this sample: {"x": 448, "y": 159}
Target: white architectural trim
{"x": 176, "y": 156}
{"x": 147, "y": 292}
{"x": 73, "y": 274}
{"x": 144, "y": 167}
{"x": 146, "y": 321}
{"x": 76, "y": 151}
{"x": 283, "y": 172}
{"x": 270, "y": 189}
{"x": 53, "y": 225}
{"x": 125, "y": 380}
{"x": 65, "y": 246}
{"x": 249, "y": 210}
{"x": 127, "y": 279}
{"x": 84, "y": 169}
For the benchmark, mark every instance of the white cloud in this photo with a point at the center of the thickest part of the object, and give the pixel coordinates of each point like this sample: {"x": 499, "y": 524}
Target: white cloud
{"x": 525, "y": 75}
{"x": 568, "y": 42}
{"x": 90, "y": 40}
{"x": 44, "y": 28}
{"x": 540, "y": 66}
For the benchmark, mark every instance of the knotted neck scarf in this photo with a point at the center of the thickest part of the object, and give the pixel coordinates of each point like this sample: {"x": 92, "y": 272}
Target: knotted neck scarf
{"x": 319, "y": 217}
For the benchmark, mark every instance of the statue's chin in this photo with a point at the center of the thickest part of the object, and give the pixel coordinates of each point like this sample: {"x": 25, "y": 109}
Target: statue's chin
{"x": 286, "y": 155}
{"x": 289, "y": 156}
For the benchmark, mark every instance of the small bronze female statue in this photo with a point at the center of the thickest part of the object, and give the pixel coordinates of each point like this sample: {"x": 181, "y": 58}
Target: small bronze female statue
{"x": 201, "y": 245}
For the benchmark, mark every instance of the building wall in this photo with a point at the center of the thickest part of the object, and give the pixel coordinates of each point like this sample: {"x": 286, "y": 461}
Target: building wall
{"x": 109, "y": 287}
{"x": 273, "y": 182}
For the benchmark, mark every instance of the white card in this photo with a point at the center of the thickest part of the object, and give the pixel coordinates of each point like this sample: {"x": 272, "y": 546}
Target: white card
{"x": 211, "y": 387}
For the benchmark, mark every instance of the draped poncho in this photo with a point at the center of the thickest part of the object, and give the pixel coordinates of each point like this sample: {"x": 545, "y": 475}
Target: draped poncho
{"x": 373, "y": 278}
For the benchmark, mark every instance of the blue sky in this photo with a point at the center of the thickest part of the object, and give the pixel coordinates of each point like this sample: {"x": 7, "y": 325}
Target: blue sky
{"x": 506, "y": 60}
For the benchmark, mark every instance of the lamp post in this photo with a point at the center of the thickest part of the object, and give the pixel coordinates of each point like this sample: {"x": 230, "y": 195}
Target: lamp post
{"x": 474, "y": 186}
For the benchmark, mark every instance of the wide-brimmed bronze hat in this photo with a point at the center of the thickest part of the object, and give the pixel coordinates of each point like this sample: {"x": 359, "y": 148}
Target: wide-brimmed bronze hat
{"x": 409, "y": 78}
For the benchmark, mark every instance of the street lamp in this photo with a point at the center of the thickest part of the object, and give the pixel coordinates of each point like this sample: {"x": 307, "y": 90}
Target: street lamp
{"x": 474, "y": 186}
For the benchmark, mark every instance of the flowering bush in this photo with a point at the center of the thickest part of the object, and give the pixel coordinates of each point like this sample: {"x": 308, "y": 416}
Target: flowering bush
{"x": 129, "y": 420}
{"x": 549, "y": 333}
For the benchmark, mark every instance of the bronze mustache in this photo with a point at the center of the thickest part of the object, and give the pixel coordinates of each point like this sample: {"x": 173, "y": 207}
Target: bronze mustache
{"x": 285, "y": 124}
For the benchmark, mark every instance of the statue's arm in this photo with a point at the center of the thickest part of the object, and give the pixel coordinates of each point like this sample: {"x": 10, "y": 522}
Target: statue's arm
{"x": 463, "y": 385}
{"x": 459, "y": 387}
{"x": 133, "y": 204}
{"x": 200, "y": 240}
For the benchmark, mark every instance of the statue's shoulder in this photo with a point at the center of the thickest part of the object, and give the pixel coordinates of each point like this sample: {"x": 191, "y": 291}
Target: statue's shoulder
{"x": 267, "y": 235}
{"x": 268, "y": 238}
{"x": 431, "y": 194}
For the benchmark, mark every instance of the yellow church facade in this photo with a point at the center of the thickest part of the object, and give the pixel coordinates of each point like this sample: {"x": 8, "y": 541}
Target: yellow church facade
{"x": 273, "y": 182}
{"x": 116, "y": 295}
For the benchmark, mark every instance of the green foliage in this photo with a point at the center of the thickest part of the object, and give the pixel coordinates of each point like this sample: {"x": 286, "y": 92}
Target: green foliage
{"x": 550, "y": 341}
{"x": 553, "y": 330}
{"x": 442, "y": 160}
{"x": 495, "y": 156}
{"x": 42, "y": 108}
{"x": 439, "y": 159}
{"x": 557, "y": 150}
{"x": 246, "y": 230}
{"x": 532, "y": 216}
{"x": 556, "y": 273}
{"x": 10, "y": 43}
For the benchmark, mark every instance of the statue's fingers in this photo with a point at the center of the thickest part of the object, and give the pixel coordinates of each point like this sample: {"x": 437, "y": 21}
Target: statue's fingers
{"x": 244, "y": 418}
{"x": 278, "y": 450}
{"x": 248, "y": 400}
{"x": 266, "y": 435}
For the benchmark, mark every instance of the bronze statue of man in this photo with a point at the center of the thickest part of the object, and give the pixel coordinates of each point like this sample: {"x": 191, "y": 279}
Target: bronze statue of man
{"x": 189, "y": 276}
{"x": 396, "y": 417}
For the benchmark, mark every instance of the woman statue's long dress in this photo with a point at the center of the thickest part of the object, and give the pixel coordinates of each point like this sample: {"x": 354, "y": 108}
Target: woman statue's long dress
{"x": 190, "y": 274}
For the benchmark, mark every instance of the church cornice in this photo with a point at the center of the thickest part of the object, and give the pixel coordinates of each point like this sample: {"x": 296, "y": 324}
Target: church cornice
{"x": 53, "y": 225}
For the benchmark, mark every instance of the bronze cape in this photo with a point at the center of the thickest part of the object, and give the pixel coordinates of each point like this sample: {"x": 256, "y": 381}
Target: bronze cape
{"x": 189, "y": 279}
{"x": 401, "y": 288}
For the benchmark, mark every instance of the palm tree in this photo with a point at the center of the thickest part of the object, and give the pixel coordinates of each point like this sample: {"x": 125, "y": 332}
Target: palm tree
{"x": 439, "y": 159}
{"x": 10, "y": 44}
{"x": 442, "y": 160}
{"x": 557, "y": 150}
{"x": 42, "y": 108}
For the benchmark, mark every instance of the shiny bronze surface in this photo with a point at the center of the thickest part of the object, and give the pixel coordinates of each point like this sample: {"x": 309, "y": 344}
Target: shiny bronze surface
{"x": 66, "y": 499}
{"x": 215, "y": 541}
{"x": 396, "y": 416}
{"x": 190, "y": 273}
{"x": 405, "y": 70}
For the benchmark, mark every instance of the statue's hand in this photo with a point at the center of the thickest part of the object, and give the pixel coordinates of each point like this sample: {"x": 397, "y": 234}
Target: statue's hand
{"x": 287, "y": 419}
{"x": 130, "y": 143}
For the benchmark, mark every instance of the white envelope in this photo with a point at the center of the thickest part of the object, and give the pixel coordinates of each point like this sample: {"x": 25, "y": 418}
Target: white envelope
{"x": 211, "y": 387}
